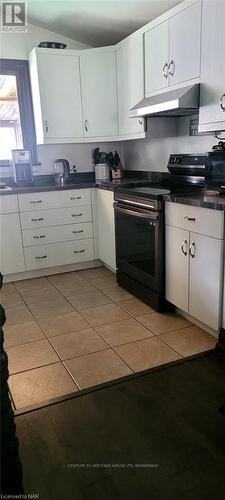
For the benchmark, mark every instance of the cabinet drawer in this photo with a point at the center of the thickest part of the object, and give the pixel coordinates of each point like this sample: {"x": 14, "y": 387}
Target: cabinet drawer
{"x": 57, "y": 217}
{"x": 54, "y": 199}
{"x": 58, "y": 254}
{"x": 8, "y": 204}
{"x": 34, "y": 237}
{"x": 197, "y": 219}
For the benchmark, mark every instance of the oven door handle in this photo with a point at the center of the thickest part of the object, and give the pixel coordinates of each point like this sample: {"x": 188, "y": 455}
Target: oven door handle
{"x": 143, "y": 214}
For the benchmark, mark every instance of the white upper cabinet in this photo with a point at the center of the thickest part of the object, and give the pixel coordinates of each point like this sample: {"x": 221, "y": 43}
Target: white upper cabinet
{"x": 99, "y": 97}
{"x": 130, "y": 82}
{"x": 157, "y": 57}
{"x": 212, "y": 96}
{"x": 55, "y": 82}
{"x": 172, "y": 50}
{"x": 185, "y": 36}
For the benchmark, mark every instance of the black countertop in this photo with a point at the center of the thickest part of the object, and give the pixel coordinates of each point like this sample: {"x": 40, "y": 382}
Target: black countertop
{"x": 205, "y": 198}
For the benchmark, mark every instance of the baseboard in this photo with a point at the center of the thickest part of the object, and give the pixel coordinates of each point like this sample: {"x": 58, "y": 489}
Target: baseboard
{"x": 52, "y": 270}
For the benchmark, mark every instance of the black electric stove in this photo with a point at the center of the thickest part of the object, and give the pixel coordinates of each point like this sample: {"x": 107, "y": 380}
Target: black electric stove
{"x": 139, "y": 223}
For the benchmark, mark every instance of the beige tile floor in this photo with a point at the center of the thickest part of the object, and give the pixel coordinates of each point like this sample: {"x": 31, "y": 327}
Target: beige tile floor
{"x": 75, "y": 330}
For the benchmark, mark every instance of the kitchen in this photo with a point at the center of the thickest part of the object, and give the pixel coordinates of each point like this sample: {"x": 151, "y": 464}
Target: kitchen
{"x": 112, "y": 203}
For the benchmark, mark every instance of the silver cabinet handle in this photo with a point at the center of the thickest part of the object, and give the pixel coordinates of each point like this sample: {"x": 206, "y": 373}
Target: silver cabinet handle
{"x": 37, "y": 237}
{"x": 41, "y": 257}
{"x": 165, "y": 70}
{"x": 37, "y": 220}
{"x": 192, "y": 246}
{"x": 79, "y": 251}
{"x": 86, "y": 125}
{"x": 192, "y": 219}
{"x": 75, "y": 197}
{"x": 140, "y": 121}
{"x": 172, "y": 63}
{"x": 35, "y": 201}
{"x": 46, "y": 126}
{"x": 184, "y": 244}
{"x": 76, "y": 215}
{"x": 78, "y": 232}
{"x": 221, "y": 102}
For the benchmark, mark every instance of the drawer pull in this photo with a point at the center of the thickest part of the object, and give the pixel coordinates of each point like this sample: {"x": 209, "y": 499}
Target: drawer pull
{"x": 79, "y": 251}
{"x": 37, "y": 237}
{"x": 192, "y": 219}
{"x": 76, "y": 215}
{"x": 78, "y": 232}
{"x": 37, "y": 220}
{"x": 35, "y": 201}
{"x": 192, "y": 246}
{"x": 75, "y": 197}
{"x": 41, "y": 257}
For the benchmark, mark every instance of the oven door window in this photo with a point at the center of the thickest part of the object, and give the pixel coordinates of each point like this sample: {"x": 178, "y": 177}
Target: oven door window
{"x": 136, "y": 242}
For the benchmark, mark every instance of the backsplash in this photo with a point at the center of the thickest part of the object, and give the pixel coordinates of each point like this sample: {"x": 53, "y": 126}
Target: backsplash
{"x": 77, "y": 154}
{"x": 167, "y": 135}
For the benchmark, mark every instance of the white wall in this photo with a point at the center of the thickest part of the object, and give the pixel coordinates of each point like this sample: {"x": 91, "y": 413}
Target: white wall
{"x": 18, "y": 45}
{"x": 77, "y": 154}
{"x": 167, "y": 135}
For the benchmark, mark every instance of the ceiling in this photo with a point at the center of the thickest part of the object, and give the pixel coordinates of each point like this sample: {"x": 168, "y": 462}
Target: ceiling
{"x": 96, "y": 23}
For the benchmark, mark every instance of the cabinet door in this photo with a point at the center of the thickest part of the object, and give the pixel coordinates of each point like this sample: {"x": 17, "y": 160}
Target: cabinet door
{"x": 212, "y": 111}
{"x": 99, "y": 99}
{"x": 105, "y": 227}
{"x": 11, "y": 250}
{"x": 130, "y": 83}
{"x": 156, "y": 57}
{"x": 205, "y": 279}
{"x": 60, "y": 96}
{"x": 185, "y": 33}
{"x": 177, "y": 266}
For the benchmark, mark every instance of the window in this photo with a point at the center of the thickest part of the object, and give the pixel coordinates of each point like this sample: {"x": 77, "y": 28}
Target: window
{"x": 16, "y": 111}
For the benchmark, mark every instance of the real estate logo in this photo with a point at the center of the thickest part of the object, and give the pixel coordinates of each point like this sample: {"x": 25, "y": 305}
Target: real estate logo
{"x": 13, "y": 17}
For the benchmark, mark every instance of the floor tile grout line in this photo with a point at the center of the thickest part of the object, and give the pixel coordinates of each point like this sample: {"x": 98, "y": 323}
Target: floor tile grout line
{"x": 38, "y": 325}
{"x": 36, "y": 367}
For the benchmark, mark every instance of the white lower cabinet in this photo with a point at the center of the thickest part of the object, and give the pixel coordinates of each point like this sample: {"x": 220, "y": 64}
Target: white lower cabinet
{"x": 177, "y": 266}
{"x": 105, "y": 225}
{"x": 205, "y": 287}
{"x": 11, "y": 249}
{"x": 194, "y": 269}
{"x": 58, "y": 254}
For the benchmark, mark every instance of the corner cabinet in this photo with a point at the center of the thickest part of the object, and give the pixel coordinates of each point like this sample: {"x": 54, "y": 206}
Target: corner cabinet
{"x": 194, "y": 261}
{"x": 105, "y": 227}
{"x": 130, "y": 83}
{"x": 98, "y": 87}
{"x": 172, "y": 50}
{"x": 55, "y": 84}
{"x": 212, "y": 97}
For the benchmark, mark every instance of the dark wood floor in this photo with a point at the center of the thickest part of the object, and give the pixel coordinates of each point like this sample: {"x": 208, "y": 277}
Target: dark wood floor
{"x": 169, "y": 418}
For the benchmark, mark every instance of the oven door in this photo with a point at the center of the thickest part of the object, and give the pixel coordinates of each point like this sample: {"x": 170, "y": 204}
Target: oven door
{"x": 139, "y": 244}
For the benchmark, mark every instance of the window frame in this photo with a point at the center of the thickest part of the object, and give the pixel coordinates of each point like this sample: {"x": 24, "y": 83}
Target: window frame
{"x": 20, "y": 69}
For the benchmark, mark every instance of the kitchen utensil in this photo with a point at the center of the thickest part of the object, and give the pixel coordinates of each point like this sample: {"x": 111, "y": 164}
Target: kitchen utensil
{"x": 117, "y": 171}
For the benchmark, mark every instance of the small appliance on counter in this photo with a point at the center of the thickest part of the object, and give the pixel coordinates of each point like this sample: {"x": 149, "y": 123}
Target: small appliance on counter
{"x": 61, "y": 170}
{"x": 21, "y": 167}
{"x": 204, "y": 170}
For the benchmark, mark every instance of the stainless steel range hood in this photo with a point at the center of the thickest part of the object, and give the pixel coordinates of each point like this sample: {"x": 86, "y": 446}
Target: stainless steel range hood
{"x": 179, "y": 102}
